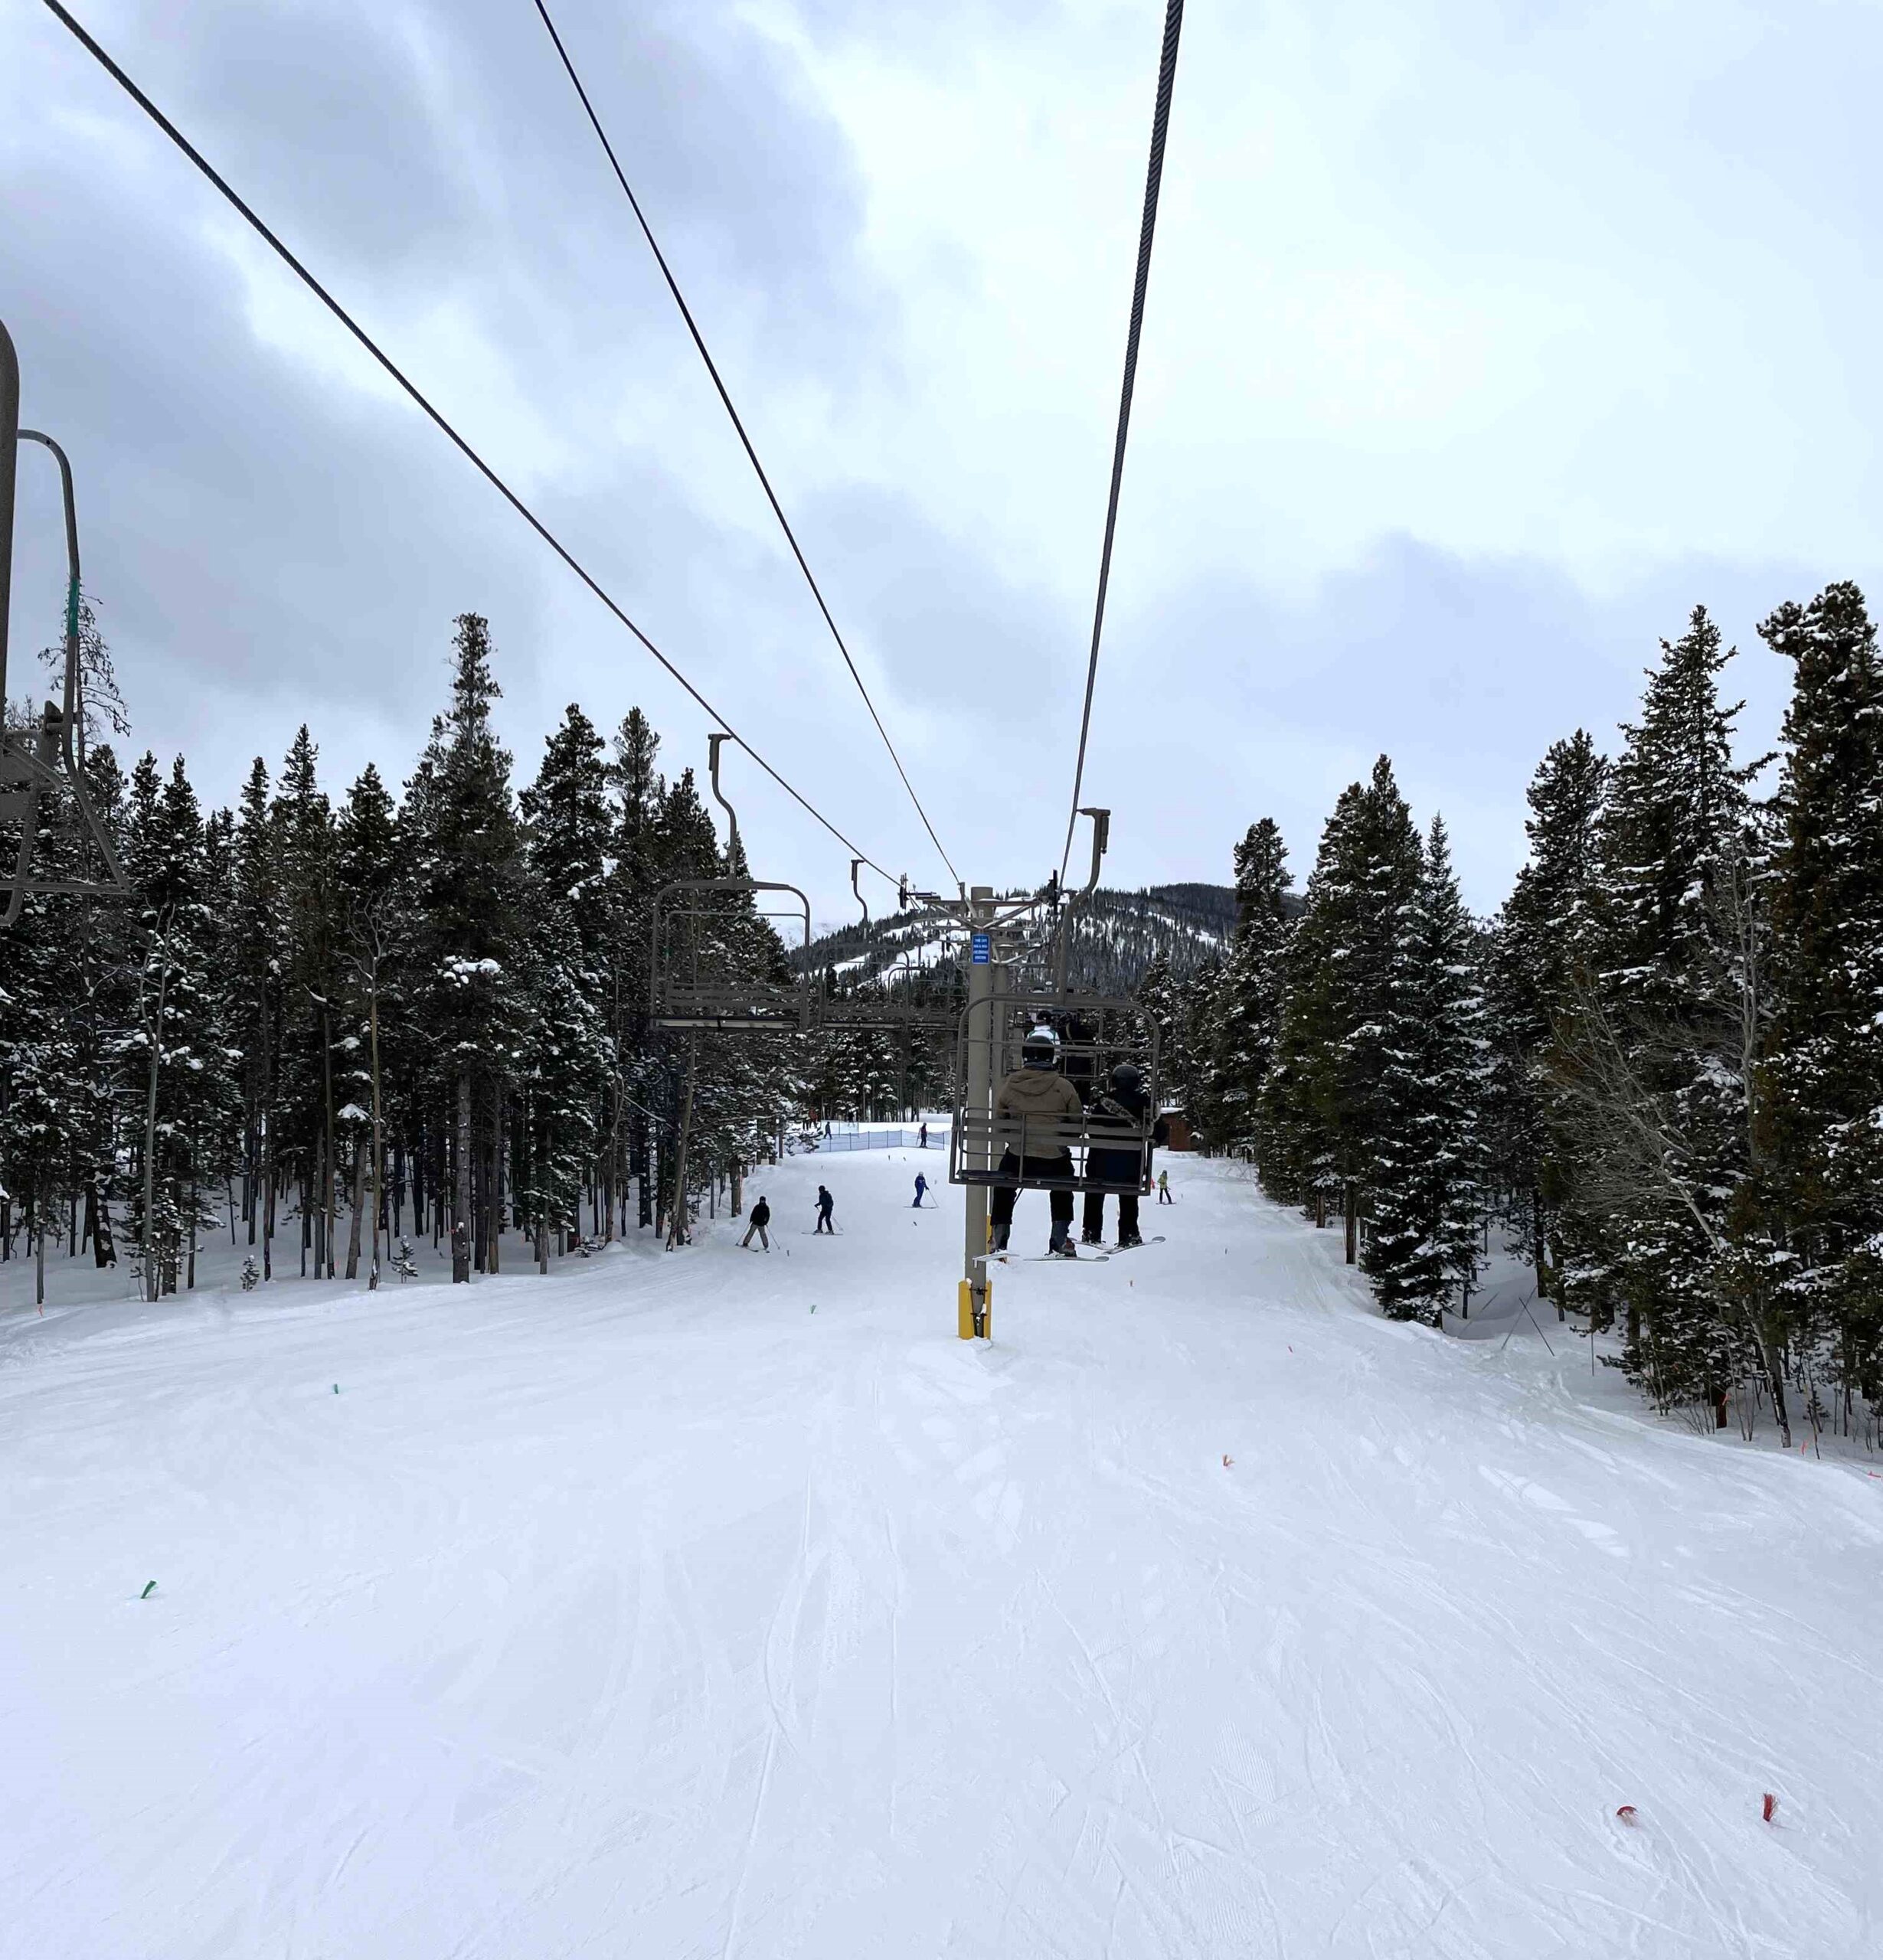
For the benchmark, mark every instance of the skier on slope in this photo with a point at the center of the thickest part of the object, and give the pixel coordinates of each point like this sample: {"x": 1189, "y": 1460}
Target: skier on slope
{"x": 826, "y": 1205}
{"x": 1031, "y": 1105}
{"x": 1119, "y": 1106}
{"x": 761, "y": 1217}
{"x": 921, "y": 1192}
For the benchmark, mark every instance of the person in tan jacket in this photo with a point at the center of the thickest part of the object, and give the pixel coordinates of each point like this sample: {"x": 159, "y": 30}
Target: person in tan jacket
{"x": 1033, "y": 1096}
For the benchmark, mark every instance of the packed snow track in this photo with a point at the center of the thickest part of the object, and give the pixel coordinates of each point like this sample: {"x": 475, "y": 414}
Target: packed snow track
{"x": 643, "y": 1610}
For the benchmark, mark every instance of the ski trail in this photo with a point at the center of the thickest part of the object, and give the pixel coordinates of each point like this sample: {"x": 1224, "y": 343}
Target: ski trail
{"x": 640, "y": 1609}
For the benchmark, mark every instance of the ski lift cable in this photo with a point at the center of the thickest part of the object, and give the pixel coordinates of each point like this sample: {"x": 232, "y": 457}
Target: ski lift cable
{"x": 1160, "y": 122}
{"x": 712, "y": 368}
{"x": 489, "y": 475}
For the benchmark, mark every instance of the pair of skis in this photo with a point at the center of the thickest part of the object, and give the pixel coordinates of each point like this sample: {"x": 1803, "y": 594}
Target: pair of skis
{"x": 1093, "y": 1258}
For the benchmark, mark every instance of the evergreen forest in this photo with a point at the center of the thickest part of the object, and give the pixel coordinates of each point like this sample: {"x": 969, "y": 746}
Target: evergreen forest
{"x": 1655, "y": 1075}
{"x": 350, "y": 1033}
{"x": 353, "y": 1031}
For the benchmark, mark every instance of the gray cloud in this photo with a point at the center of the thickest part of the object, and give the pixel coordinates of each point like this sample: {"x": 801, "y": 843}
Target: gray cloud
{"x": 273, "y": 541}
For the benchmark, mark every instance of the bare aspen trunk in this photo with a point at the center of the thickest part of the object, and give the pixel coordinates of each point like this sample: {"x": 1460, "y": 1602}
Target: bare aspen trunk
{"x": 677, "y": 1219}
{"x": 542, "y": 1224}
{"x": 379, "y": 1147}
{"x": 330, "y": 1206}
{"x": 461, "y": 1194}
{"x": 98, "y": 1224}
{"x": 264, "y": 1125}
{"x": 738, "y": 1188}
{"x": 359, "y": 1204}
{"x": 150, "y": 1131}
{"x": 493, "y": 1209}
{"x": 612, "y": 1151}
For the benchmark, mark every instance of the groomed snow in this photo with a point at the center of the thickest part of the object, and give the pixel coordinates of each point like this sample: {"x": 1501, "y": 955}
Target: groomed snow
{"x": 642, "y": 1611}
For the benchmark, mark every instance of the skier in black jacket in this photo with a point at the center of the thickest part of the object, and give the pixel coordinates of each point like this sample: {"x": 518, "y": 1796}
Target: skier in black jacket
{"x": 761, "y": 1217}
{"x": 1120, "y": 1105}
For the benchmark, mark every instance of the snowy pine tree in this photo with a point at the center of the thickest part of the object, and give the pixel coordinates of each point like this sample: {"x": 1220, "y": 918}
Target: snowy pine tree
{"x": 1656, "y": 1054}
{"x": 1543, "y": 940}
{"x": 1825, "y": 1071}
{"x": 470, "y": 898}
{"x": 1424, "y": 1180}
{"x": 1243, "y": 1017}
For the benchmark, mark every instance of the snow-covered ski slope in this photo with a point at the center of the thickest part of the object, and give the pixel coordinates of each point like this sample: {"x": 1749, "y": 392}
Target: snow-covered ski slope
{"x": 644, "y": 1612}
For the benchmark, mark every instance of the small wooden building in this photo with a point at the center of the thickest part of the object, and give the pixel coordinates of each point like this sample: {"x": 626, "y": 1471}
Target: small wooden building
{"x": 1181, "y": 1136}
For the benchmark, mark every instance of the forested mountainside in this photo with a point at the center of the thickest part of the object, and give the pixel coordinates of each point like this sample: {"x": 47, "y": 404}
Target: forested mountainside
{"x": 1120, "y": 936}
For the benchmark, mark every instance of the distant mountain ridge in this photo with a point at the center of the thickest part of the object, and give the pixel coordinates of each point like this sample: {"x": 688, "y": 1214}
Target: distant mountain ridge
{"x": 1120, "y": 935}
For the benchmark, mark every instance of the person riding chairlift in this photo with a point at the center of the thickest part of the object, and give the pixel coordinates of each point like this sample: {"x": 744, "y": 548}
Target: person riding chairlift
{"x": 1120, "y": 1107}
{"x": 1036, "y": 1094}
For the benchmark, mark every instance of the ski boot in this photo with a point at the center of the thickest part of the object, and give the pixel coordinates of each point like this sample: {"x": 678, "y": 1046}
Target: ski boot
{"x": 1091, "y": 1238}
{"x": 1061, "y": 1245}
{"x": 1127, "y": 1241}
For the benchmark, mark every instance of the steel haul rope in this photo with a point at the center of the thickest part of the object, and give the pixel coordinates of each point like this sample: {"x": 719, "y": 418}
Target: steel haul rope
{"x": 490, "y": 475}
{"x": 1160, "y": 123}
{"x": 712, "y": 368}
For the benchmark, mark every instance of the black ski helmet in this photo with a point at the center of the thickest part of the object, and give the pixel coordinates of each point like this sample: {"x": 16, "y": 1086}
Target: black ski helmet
{"x": 1125, "y": 1076}
{"x": 1040, "y": 1050}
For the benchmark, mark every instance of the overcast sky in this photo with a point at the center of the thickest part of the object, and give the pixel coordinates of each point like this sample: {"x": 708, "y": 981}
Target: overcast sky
{"x": 1484, "y": 340}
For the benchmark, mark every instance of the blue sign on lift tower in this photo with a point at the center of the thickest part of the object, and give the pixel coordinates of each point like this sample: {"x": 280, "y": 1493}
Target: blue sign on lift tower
{"x": 982, "y": 951}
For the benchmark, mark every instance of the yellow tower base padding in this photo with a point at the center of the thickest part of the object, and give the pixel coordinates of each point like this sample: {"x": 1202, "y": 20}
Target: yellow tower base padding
{"x": 965, "y": 1310}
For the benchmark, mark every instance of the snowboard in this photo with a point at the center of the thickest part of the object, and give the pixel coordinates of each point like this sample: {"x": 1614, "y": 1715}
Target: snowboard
{"x": 1138, "y": 1248}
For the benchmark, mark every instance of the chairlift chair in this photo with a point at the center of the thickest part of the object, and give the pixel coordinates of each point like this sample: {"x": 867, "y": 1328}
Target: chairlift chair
{"x": 1094, "y": 1033}
{"x": 689, "y": 985}
{"x": 883, "y": 1011}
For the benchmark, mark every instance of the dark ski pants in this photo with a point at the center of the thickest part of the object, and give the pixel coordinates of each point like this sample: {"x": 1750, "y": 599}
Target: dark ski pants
{"x": 1112, "y": 1167}
{"x": 1004, "y": 1195}
{"x": 1095, "y": 1214}
{"x": 761, "y": 1230}
{"x": 823, "y": 1225}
